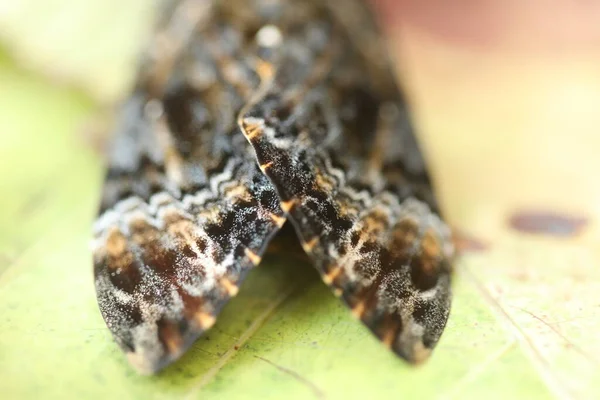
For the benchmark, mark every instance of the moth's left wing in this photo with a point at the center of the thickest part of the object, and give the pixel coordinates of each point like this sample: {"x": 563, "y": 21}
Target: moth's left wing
{"x": 186, "y": 212}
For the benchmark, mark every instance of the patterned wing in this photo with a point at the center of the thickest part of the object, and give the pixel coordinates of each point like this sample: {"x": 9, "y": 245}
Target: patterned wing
{"x": 329, "y": 130}
{"x": 185, "y": 210}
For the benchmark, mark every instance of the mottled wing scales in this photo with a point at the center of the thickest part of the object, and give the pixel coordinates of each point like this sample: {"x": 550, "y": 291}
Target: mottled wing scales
{"x": 320, "y": 131}
{"x": 166, "y": 265}
{"x": 189, "y": 206}
{"x": 186, "y": 212}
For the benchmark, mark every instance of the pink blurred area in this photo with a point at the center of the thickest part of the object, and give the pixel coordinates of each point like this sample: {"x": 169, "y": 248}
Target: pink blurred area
{"x": 506, "y": 98}
{"x": 535, "y": 24}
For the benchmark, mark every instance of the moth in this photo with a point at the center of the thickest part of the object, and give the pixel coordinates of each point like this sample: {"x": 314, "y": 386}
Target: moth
{"x": 247, "y": 115}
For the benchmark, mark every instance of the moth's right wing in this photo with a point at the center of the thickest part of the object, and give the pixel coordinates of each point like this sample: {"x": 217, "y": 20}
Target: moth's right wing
{"x": 330, "y": 132}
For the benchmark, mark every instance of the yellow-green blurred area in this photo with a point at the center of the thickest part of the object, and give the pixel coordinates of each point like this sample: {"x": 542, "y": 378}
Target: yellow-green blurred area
{"x": 509, "y": 131}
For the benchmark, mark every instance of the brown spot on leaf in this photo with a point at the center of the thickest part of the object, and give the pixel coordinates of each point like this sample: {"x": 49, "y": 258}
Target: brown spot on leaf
{"x": 465, "y": 242}
{"x": 547, "y": 223}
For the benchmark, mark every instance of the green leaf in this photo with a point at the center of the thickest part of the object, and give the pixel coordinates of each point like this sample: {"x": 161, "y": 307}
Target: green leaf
{"x": 92, "y": 44}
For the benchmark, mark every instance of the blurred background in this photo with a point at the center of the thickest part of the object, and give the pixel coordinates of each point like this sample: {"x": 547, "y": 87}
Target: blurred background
{"x": 506, "y": 99}
{"x": 507, "y": 94}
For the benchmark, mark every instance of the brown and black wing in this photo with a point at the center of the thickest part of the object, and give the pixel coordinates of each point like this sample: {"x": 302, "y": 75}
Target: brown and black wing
{"x": 185, "y": 212}
{"x": 329, "y": 130}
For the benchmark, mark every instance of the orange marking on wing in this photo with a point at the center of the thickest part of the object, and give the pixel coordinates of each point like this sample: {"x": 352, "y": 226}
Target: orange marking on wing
{"x": 286, "y": 206}
{"x": 231, "y": 288}
{"x": 204, "y": 319}
{"x": 265, "y": 166}
{"x": 330, "y": 276}
{"x": 264, "y": 69}
{"x": 238, "y": 192}
{"x": 279, "y": 221}
{"x": 358, "y": 310}
{"x": 310, "y": 245}
{"x": 116, "y": 243}
{"x": 173, "y": 340}
{"x": 251, "y": 129}
{"x": 388, "y": 338}
{"x": 252, "y": 256}
{"x": 420, "y": 352}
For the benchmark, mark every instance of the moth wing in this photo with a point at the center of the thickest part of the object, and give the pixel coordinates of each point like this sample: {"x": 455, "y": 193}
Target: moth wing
{"x": 363, "y": 212}
{"x": 166, "y": 259}
{"x": 186, "y": 212}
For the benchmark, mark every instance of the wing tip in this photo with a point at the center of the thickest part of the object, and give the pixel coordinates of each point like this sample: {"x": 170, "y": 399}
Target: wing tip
{"x": 416, "y": 354}
{"x": 144, "y": 365}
